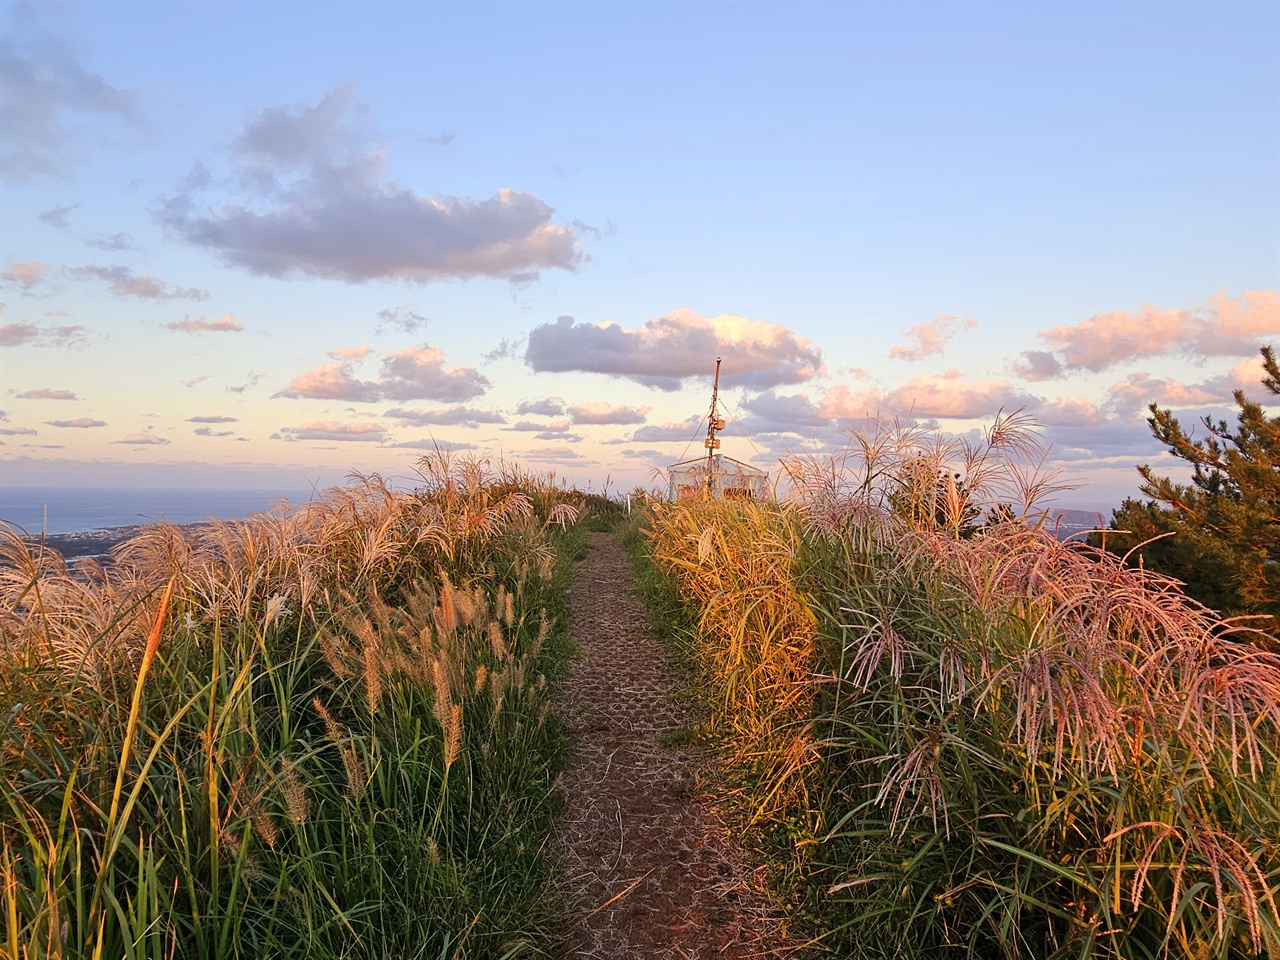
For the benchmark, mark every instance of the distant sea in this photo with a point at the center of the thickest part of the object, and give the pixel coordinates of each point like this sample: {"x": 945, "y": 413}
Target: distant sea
{"x": 76, "y": 509}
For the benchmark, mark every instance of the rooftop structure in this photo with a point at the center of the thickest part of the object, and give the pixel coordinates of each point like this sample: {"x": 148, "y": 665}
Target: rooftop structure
{"x": 716, "y": 476}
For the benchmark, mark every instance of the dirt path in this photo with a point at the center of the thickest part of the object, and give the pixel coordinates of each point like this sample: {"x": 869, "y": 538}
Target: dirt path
{"x": 651, "y": 869}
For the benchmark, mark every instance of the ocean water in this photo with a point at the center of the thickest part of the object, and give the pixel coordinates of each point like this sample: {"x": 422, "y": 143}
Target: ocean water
{"x": 75, "y": 509}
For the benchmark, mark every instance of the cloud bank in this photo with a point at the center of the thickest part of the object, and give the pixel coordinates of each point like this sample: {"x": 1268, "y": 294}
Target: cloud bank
{"x": 123, "y": 282}
{"x": 668, "y": 350}
{"x": 317, "y": 202}
{"x": 417, "y": 373}
{"x": 1225, "y": 327}
{"x": 600, "y": 412}
{"x": 334, "y": 430}
{"x": 25, "y": 334}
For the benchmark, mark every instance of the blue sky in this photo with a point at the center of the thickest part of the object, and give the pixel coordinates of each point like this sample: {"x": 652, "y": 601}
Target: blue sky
{"x": 271, "y": 243}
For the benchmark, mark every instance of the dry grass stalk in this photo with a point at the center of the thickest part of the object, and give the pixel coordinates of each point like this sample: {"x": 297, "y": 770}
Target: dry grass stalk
{"x": 1098, "y": 679}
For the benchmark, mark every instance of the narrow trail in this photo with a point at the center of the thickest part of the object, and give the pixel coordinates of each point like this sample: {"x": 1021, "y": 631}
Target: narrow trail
{"x": 651, "y": 870}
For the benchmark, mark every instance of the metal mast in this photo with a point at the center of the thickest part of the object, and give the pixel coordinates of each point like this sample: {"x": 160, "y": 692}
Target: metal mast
{"x": 714, "y": 424}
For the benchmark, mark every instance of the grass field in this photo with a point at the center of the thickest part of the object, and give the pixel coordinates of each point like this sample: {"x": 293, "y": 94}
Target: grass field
{"x": 953, "y": 738}
{"x": 331, "y": 732}
{"x": 325, "y": 733}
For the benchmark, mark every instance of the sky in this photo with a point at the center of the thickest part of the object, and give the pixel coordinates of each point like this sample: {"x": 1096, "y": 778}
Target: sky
{"x": 269, "y": 244}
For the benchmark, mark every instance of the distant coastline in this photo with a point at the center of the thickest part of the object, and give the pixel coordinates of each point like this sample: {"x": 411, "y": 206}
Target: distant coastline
{"x": 60, "y": 511}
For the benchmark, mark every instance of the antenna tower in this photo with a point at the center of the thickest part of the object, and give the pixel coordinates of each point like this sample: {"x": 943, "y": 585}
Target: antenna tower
{"x": 715, "y": 424}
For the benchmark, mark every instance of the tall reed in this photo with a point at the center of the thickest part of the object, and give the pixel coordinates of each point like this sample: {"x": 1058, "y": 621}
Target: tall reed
{"x": 319, "y": 732}
{"x": 990, "y": 743}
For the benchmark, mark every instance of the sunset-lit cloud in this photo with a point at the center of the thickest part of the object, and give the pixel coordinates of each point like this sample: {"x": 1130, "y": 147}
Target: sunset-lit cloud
{"x": 25, "y": 334}
{"x": 529, "y": 426}
{"x": 681, "y": 430}
{"x": 333, "y": 381}
{"x": 224, "y": 324}
{"x": 458, "y": 416}
{"x": 666, "y": 351}
{"x": 417, "y": 373}
{"x": 318, "y": 202}
{"x": 950, "y": 395}
{"x": 1132, "y": 395}
{"x": 928, "y": 339}
{"x": 600, "y": 412}
{"x": 547, "y": 407}
{"x": 430, "y": 443}
{"x": 772, "y": 412}
{"x": 143, "y": 440}
{"x": 1037, "y": 365}
{"x": 841, "y": 403}
{"x": 25, "y": 276}
{"x": 557, "y": 454}
{"x": 123, "y": 282}
{"x": 943, "y": 396}
{"x": 351, "y": 353}
{"x": 1224, "y": 327}
{"x": 1068, "y": 411}
{"x": 253, "y": 380}
{"x": 335, "y": 430}
{"x": 331, "y": 281}
{"x": 44, "y": 393}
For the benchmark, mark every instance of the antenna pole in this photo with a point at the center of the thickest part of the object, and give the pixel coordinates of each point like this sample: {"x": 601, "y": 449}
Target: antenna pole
{"x": 714, "y": 424}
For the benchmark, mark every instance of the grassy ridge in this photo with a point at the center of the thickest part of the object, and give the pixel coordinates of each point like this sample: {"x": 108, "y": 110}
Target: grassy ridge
{"x": 324, "y": 733}
{"x": 965, "y": 740}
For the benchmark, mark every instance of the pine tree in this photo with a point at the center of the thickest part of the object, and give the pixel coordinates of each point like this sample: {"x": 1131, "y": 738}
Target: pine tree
{"x": 1224, "y": 525}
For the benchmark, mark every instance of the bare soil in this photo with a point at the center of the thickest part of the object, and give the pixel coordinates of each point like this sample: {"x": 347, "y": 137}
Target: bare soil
{"x": 652, "y": 871}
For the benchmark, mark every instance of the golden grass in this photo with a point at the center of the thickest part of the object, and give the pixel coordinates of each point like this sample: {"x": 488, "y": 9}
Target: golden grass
{"x": 974, "y": 737}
